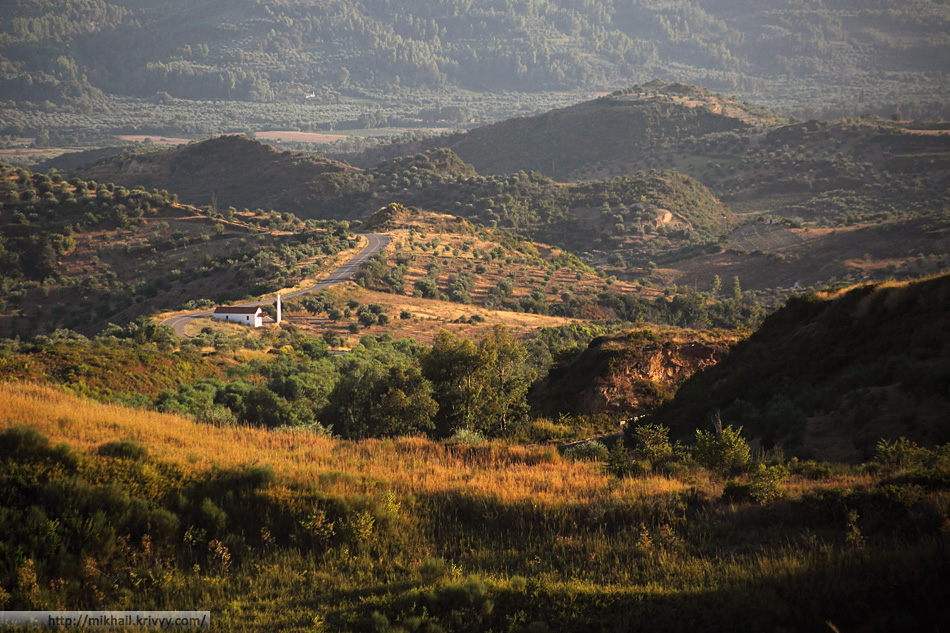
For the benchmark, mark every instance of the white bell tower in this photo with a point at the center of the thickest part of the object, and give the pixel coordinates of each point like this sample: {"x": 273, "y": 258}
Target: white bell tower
{"x": 278, "y": 307}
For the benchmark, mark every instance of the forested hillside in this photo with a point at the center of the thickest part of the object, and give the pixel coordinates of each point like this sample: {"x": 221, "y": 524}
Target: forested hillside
{"x": 68, "y": 56}
{"x": 618, "y": 213}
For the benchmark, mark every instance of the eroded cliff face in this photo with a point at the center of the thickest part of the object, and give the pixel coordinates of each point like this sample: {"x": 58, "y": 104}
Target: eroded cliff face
{"x": 632, "y": 373}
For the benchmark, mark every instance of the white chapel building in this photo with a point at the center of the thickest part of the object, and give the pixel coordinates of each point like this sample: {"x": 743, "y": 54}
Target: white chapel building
{"x": 245, "y": 315}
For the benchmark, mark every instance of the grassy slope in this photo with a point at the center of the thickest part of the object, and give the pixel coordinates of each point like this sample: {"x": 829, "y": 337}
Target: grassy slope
{"x": 345, "y": 535}
{"x": 829, "y": 376}
{"x": 105, "y": 371}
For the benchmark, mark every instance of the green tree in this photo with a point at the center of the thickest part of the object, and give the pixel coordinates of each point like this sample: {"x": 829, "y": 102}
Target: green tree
{"x": 371, "y": 400}
{"x": 507, "y": 378}
{"x": 723, "y": 450}
{"x": 736, "y": 290}
{"x": 452, "y": 365}
{"x": 481, "y": 387}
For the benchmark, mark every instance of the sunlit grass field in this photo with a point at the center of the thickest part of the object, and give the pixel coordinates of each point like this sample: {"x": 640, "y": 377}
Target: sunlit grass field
{"x": 289, "y": 531}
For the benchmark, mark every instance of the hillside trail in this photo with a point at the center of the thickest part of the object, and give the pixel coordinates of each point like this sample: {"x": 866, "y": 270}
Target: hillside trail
{"x": 346, "y": 271}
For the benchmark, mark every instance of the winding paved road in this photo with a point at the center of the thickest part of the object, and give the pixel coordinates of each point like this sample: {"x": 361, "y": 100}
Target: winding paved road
{"x": 376, "y": 243}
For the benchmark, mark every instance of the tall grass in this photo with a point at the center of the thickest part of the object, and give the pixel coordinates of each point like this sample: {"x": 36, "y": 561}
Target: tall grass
{"x": 291, "y": 531}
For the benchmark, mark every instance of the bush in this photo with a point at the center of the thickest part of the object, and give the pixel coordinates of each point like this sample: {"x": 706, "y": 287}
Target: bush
{"x": 764, "y": 486}
{"x": 432, "y": 571}
{"x": 591, "y": 450}
{"x": 723, "y": 451}
{"x": 652, "y": 443}
{"x": 467, "y": 436}
{"x": 620, "y": 465}
{"x": 22, "y": 441}
{"x": 899, "y": 454}
{"x": 123, "y": 449}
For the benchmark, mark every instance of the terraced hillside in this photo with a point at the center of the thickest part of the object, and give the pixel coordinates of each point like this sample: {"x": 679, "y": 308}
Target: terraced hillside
{"x": 79, "y": 254}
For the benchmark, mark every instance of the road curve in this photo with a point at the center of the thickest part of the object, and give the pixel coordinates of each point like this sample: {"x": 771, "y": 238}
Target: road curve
{"x": 376, "y": 243}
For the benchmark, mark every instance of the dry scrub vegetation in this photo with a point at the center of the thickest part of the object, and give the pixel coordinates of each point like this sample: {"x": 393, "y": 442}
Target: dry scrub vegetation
{"x": 286, "y": 530}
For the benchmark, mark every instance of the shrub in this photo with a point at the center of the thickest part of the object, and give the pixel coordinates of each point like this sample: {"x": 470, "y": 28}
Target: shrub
{"x": 22, "y": 441}
{"x": 899, "y": 454}
{"x": 766, "y": 483}
{"x": 216, "y": 415}
{"x": 736, "y": 492}
{"x": 813, "y": 470}
{"x": 467, "y": 436}
{"x": 591, "y": 450}
{"x": 124, "y": 449}
{"x": 652, "y": 443}
{"x": 764, "y": 486}
{"x": 620, "y": 465}
{"x": 432, "y": 571}
{"x": 723, "y": 451}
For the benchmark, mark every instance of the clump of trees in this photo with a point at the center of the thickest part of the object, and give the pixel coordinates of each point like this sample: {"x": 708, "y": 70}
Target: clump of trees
{"x": 381, "y": 388}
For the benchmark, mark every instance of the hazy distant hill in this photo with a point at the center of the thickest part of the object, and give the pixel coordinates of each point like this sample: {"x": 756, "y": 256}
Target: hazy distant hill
{"x": 619, "y": 127}
{"x": 627, "y": 212}
{"x": 828, "y": 377}
{"x": 225, "y": 171}
{"x": 849, "y": 55}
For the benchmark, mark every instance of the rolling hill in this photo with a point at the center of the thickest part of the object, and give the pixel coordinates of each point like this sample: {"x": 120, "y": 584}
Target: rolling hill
{"x": 80, "y": 254}
{"x": 236, "y": 171}
{"x": 565, "y": 142}
{"x": 222, "y": 172}
{"x": 827, "y": 376}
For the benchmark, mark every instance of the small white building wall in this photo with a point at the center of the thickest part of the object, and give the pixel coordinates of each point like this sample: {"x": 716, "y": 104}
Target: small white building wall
{"x": 254, "y": 320}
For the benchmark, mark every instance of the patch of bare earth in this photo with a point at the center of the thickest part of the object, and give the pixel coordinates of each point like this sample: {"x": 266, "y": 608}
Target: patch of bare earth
{"x": 298, "y": 137}
{"x": 158, "y": 140}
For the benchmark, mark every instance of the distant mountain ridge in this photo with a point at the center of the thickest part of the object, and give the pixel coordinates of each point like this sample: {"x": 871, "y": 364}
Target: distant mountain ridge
{"x": 270, "y": 50}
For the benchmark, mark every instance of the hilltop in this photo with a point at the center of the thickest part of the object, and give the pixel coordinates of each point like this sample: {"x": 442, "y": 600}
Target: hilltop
{"x": 566, "y": 142}
{"x": 225, "y": 171}
{"x": 829, "y": 375}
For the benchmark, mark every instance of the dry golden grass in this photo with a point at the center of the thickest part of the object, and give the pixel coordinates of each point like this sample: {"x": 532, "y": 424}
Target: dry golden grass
{"x": 509, "y": 474}
{"x": 158, "y": 140}
{"x": 429, "y": 316}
